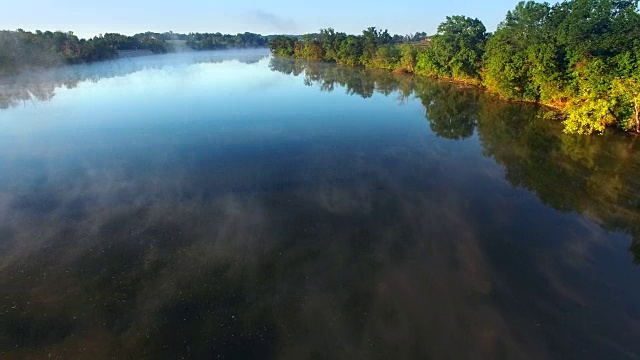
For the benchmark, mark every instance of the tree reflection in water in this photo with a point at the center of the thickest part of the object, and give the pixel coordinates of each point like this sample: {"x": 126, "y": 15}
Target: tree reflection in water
{"x": 42, "y": 85}
{"x": 598, "y": 176}
{"x": 304, "y": 242}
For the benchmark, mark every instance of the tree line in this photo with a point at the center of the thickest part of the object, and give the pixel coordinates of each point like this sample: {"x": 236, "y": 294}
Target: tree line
{"x": 579, "y": 56}
{"x": 217, "y": 41}
{"x": 21, "y": 50}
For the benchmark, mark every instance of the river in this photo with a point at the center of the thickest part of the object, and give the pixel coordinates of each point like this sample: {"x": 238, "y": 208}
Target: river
{"x": 236, "y": 205}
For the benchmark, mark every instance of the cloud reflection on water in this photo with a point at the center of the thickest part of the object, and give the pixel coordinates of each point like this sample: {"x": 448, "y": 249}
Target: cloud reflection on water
{"x": 331, "y": 249}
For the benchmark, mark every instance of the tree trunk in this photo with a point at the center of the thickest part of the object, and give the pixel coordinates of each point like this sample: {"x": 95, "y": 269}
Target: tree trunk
{"x": 637, "y": 117}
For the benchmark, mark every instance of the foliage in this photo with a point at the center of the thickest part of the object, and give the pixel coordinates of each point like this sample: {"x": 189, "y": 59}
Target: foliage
{"x": 521, "y": 57}
{"x": 455, "y": 51}
{"x": 385, "y": 57}
{"x": 627, "y": 92}
{"x": 209, "y": 41}
{"x": 282, "y": 45}
{"x": 408, "y": 58}
{"x": 579, "y": 56}
{"x": 20, "y": 50}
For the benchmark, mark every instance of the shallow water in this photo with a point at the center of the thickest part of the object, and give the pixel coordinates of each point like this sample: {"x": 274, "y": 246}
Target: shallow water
{"x": 235, "y": 205}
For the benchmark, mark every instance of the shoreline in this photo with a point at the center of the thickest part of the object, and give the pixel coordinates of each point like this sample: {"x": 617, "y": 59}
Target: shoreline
{"x": 462, "y": 83}
{"x": 127, "y": 54}
{"x": 559, "y": 111}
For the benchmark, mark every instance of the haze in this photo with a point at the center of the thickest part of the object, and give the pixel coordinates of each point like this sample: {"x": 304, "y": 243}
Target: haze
{"x": 88, "y": 19}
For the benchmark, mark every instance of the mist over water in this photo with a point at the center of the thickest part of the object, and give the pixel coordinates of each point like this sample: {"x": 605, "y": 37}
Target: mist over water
{"x": 237, "y": 205}
{"x": 41, "y": 85}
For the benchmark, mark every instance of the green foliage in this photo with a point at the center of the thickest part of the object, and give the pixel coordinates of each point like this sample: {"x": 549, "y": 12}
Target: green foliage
{"x": 350, "y": 51}
{"x": 580, "y": 56}
{"x": 459, "y": 45}
{"x": 216, "y": 41}
{"x": 386, "y": 57}
{"x": 590, "y": 111}
{"x": 597, "y": 27}
{"x": 627, "y": 93}
{"x": 331, "y": 41}
{"x": 520, "y": 57}
{"x": 310, "y": 48}
{"x": 408, "y": 58}
{"x": 587, "y": 115}
{"x": 428, "y": 63}
{"x": 371, "y": 40}
{"x": 374, "y": 48}
{"x": 20, "y": 50}
{"x": 455, "y": 51}
{"x": 282, "y": 45}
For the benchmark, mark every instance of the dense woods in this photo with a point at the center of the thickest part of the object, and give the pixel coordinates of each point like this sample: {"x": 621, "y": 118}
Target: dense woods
{"x": 580, "y": 56}
{"x": 23, "y": 49}
{"x": 20, "y": 50}
{"x": 216, "y": 41}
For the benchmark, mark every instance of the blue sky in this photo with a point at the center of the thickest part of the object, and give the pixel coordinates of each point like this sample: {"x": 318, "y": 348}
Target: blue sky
{"x": 89, "y": 18}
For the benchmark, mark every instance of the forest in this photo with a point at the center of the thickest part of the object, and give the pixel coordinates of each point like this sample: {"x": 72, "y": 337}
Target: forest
{"x": 581, "y": 57}
{"x": 216, "y": 41}
{"x": 24, "y": 50}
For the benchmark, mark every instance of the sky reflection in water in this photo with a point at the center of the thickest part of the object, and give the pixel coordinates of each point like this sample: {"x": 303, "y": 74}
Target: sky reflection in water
{"x": 177, "y": 206}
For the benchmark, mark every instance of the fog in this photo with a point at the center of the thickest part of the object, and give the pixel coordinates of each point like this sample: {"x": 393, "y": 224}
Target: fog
{"x": 337, "y": 214}
{"x": 41, "y": 85}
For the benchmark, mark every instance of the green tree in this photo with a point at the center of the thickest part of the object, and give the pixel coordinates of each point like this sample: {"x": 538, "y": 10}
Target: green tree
{"x": 350, "y": 51}
{"x": 521, "y": 59}
{"x": 456, "y": 50}
{"x": 386, "y": 57}
{"x": 408, "y": 58}
{"x": 282, "y": 45}
{"x": 579, "y": 56}
{"x": 627, "y": 92}
{"x": 591, "y": 109}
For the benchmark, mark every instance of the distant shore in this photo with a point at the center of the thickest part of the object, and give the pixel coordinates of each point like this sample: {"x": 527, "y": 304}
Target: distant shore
{"x": 582, "y": 58}
{"x": 24, "y": 50}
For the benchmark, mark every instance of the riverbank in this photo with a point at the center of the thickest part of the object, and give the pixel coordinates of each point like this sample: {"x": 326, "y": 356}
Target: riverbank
{"x": 583, "y": 114}
{"x": 459, "y": 82}
{"x": 580, "y": 58}
{"x": 24, "y": 51}
{"x": 43, "y": 84}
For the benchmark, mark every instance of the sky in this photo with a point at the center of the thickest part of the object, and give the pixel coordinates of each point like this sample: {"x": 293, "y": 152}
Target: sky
{"x": 90, "y": 18}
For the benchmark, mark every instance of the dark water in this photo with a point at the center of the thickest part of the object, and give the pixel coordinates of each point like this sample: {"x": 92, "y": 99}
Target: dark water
{"x": 197, "y": 206}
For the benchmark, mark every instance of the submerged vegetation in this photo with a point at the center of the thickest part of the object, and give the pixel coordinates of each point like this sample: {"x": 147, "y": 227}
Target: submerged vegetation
{"x": 21, "y": 50}
{"x": 580, "y": 56}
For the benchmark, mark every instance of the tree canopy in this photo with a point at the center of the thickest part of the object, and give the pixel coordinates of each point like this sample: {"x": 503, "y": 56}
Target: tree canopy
{"x": 579, "y": 56}
{"x": 20, "y": 50}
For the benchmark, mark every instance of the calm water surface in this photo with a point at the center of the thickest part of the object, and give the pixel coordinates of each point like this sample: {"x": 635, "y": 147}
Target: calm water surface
{"x": 233, "y": 205}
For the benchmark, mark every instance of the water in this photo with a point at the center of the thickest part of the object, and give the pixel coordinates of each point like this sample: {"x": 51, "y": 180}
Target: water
{"x": 233, "y": 205}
